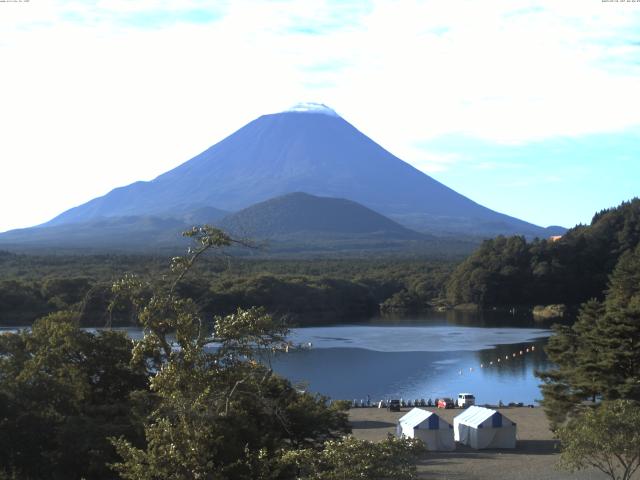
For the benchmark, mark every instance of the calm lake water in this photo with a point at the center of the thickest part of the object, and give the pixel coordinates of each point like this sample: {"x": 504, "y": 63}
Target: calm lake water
{"x": 429, "y": 356}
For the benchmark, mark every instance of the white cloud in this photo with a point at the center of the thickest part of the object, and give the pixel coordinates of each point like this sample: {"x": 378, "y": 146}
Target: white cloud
{"x": 91, "y": 100}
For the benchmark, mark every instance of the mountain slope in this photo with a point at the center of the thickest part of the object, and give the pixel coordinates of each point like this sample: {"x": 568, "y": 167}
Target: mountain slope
{"x": 135, "y": 232}
{"x": 294, "y": 224}
{"x": 299, "y": 215}
{"x": 294, "y": 151}
{"x": 131, "y": 232}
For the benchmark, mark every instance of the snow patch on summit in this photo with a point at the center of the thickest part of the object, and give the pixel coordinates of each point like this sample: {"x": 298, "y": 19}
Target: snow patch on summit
{"x": 311, "y": 107}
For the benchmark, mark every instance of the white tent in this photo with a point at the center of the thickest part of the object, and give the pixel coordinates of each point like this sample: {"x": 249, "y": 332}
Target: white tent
{"x": 481, "y": 427}
{"x": 428, "y": 427}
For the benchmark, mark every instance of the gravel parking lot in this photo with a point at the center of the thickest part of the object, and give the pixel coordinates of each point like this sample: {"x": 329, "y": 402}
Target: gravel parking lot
{"x": 534, "y": 457}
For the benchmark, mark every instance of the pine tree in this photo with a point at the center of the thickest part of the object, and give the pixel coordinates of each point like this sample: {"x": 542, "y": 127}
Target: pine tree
{"x": 577, "y": 374}
{"x": 598, "y": 358}
{"x": 619, "y": 330}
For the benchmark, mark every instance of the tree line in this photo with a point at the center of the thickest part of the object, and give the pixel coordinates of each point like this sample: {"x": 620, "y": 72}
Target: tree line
{"x": 509, "y": 271}
{"x": 303, "y": 291}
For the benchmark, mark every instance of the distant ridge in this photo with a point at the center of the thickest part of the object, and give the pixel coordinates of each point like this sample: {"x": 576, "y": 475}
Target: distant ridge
{"x": 296, "y": 224}
{"x": 134, "y": 232}
{"x": 300, "y": 215}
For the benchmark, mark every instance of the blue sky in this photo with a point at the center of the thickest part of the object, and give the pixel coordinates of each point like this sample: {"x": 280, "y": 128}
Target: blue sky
{"x": 561, "y": 177}
{"x": 528, "y": 107}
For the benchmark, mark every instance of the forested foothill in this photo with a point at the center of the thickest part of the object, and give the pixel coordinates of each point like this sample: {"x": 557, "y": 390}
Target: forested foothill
{"x": 509, "y": 271}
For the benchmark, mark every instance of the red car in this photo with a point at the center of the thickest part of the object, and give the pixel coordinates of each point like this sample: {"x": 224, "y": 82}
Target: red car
{"x": 445, "y": 403}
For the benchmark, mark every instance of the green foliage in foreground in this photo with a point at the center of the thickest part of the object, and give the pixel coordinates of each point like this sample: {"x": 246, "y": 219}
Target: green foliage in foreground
{"x": 348, "y": 459}
{"x": 598, "y": 357}
{"x": 75, "y": 404}
{"x": 63, "y": 393}
{"x": 606, "y": 438}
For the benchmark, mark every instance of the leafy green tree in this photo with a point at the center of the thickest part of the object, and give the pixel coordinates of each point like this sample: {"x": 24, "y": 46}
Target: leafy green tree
{"x": 404, "y": 301}
{"x": 495, "y": 274}
{"x": 21, "y": 302}
{"x": 606, "y": 438}
{"x": 350, "y": 458}
{"x": 63, "y": 393}
{"x": 64, "y": 292}
{"x": 221, "y": 412}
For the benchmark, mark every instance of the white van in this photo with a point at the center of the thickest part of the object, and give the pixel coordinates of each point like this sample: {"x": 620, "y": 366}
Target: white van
{"x": 466, "y": 400}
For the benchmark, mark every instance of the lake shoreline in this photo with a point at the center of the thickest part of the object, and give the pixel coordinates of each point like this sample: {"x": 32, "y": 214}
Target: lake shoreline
{"x": 414, "y": 359}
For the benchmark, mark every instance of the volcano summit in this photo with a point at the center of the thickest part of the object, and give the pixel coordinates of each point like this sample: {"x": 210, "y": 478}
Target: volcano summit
{"x": 309, "y": 149}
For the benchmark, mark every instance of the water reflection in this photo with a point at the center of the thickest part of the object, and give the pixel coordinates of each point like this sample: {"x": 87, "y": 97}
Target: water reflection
{"x": 355, "y": 373}
{"x": 521, "y": 318}
{"x": 428, "y": 368}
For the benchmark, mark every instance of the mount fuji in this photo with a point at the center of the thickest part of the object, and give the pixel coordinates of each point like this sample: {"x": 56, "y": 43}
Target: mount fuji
{"x": 309, "y": 149}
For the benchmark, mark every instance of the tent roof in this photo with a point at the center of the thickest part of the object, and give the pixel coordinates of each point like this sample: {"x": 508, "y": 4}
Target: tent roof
{"x": 415, "y": 417}
{"x": 475, "y": 416}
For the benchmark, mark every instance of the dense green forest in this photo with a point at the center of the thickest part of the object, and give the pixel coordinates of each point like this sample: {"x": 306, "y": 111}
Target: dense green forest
{"x": 301, "y": 290}
{"x": 598, "y": 357}
{"x": 77, "y": 404}
{"x": 505, "y": 271}
{"x": 511, "y": 271}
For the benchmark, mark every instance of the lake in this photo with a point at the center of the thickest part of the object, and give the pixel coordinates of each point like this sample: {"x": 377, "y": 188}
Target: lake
{"x": 439, "y": 354}
{"x": 431, "y": 356}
